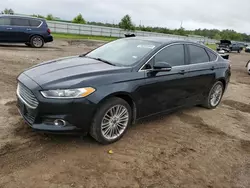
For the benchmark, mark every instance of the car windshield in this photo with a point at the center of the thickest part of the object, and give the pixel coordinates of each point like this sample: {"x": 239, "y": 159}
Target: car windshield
{"x": 123, "y": 52}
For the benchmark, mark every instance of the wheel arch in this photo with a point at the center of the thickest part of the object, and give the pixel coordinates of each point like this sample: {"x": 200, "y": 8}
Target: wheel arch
{"x": 32, "y": 35}
{"x": 126, "y": 97}
{"x": 223, "y": 80}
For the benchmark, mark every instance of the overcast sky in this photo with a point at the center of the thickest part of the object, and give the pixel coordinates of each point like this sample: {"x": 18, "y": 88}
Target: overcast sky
{"x": 194, "y": 14}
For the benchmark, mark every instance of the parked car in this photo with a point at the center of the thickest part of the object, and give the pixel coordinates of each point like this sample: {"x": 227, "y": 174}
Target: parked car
{"x": 223, "y": 54}
{"x": 102, "y": 92}
{"x": 247, "y": 49}
{"x": 248, "y": 67}
{"x": 18, "y": 29}
{"x": 228, "y": 46}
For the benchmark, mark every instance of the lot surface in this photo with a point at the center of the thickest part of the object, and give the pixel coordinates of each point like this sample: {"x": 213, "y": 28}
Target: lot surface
{"x": 190, "y": 148}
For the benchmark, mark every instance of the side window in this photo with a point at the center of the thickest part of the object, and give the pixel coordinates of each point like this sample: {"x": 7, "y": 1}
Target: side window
{"x": 174, "y": 55}
{"x": 4, "y": 21}
{"x": 197, "y": 54}
{"x": 212, "y": 56}
{"x": 34, "y": 23}
{"x": 20, "y": 22}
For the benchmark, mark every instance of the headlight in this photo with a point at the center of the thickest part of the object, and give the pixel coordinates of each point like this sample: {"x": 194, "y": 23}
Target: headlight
{"x": 68, "y": 93}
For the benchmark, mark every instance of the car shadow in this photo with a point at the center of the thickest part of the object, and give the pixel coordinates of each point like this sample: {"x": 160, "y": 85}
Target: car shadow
{"x": 14, "y": 45}
{"x": 20, "y": 46}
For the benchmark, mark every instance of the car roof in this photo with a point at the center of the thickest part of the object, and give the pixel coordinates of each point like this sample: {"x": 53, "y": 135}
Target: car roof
{"x": 165, "y": 40}
{"x": 21, "y": 16}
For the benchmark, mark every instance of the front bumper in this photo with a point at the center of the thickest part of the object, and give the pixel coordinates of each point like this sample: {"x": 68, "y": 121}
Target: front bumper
{"x": 77, "y": 113}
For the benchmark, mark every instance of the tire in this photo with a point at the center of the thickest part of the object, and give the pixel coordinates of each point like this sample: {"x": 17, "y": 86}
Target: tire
{"x": 37, "y": 41}
{"x": 98, "y": 127}
{"x": 28, "y": 44}
{"x": 208, "y": 101}
{"x": 238, "y": 51}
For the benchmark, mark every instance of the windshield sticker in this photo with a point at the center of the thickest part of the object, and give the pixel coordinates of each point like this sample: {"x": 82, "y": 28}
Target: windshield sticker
{"x": 146, "y": 46}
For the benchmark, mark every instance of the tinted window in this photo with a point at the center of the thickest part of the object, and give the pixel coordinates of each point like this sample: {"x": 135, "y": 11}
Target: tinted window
{"x": 35, "y": 23}
{"x": 174, "y": 55}
{"x": 19, "y": 22}
{"x": 198, "y": 54}
{"x": 4, "y": 21}
{"x": 213, "y": 57}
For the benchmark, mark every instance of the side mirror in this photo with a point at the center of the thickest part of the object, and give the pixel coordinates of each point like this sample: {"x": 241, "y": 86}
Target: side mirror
{"x": 162, "y": 66}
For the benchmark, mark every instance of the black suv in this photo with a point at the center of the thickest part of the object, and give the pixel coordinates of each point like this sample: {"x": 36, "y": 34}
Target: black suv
{"x": 33, "y": 32}
{"x": 228, "y": 46}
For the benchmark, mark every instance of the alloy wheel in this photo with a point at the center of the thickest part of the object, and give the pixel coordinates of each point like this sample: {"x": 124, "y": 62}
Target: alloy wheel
{"x": 114, "y": 122}
{"x": 37, "y": 42}
{"x": 216, "y": 95}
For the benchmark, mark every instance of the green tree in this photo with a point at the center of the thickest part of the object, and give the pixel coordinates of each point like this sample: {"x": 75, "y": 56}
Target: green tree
{"x": 50, "y": 17}
{"x": 37, "y": 16}
{"x": 7, "y": 11}
{"x": 217, "y": 36}
{"x": 79, "y": 19}
{"x": 126, "y": 23}
{"x": 181, "y": 31}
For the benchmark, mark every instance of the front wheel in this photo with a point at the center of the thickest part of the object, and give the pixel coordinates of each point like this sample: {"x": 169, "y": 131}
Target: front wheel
{"x": 37, "y": 41}
{"x": 111, "y": 121}
{"x": 215, "y": 95}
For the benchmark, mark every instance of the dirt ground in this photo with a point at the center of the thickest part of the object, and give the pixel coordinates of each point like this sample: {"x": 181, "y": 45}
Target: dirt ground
{"x": 191, "y": 148}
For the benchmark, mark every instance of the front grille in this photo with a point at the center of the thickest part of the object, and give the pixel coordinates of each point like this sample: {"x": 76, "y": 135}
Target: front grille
{"x": 27, "y": 96}
{"x": 28, "y": 113}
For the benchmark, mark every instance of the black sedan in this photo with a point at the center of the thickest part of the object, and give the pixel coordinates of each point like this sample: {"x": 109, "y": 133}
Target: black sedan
{"x": 106, "y": 90}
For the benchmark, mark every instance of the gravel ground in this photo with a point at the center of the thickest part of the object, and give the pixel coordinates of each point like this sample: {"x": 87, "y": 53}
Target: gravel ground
{"x": 193, "y": 147}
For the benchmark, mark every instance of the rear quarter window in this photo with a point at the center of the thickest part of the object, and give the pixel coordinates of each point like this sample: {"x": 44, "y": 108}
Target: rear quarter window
{"x": 35, "y": 23}
{"x": 212, "y": 56}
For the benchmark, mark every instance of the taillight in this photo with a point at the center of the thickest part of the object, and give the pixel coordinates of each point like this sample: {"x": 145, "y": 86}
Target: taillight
{"x": 49, "y": 31}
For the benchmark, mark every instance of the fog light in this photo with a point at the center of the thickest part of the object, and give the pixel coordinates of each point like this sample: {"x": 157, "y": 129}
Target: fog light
{"x": 60, "y": 123}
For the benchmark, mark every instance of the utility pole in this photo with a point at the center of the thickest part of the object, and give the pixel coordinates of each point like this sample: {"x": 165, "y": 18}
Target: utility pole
{"x": 181, "y": 24}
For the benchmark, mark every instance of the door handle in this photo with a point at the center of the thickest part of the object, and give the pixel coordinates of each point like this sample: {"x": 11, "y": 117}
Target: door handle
{"x": 182, "y": 72}
{"x": 9, "y": 28}
{"x": 29, "y": 29}
{"x": 212, "y": 68}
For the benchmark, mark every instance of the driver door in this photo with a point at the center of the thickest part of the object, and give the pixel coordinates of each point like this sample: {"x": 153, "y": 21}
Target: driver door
{"x": 165, "y": 90}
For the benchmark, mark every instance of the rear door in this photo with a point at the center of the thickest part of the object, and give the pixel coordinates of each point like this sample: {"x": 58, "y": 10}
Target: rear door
{"x": 20, "y": 29}
{"x": 200, "y": 72}
{"x": 5, "y": 29}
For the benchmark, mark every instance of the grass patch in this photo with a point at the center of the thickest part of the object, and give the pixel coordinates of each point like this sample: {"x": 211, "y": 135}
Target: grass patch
{"x": 212, "y": 46}
{"x": 75, "y": 36}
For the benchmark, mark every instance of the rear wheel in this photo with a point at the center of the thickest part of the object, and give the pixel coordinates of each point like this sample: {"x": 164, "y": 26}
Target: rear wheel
{"x": 37, "y": 41}
{"x": 111, "y": 121}
{"x": 215, "y": 95}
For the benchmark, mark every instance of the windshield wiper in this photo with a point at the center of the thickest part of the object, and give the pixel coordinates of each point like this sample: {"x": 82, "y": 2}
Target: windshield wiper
{"x": 100, "y": 59}
{"x": 105, "y": 61}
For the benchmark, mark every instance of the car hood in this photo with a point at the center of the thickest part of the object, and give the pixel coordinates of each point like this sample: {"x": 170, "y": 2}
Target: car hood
{"x": 70, "y": 71}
